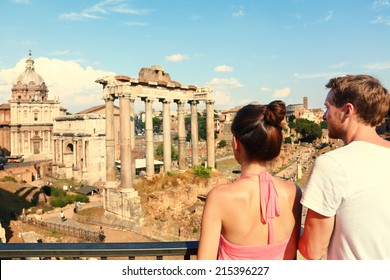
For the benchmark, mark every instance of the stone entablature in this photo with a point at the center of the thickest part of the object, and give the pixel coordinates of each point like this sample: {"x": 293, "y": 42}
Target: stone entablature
{"x": 39, "y": 113}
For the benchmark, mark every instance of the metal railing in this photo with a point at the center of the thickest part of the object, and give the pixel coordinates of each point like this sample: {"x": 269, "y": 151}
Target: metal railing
{"x": 87, "y": 235}
{"x": 129, "y": 250}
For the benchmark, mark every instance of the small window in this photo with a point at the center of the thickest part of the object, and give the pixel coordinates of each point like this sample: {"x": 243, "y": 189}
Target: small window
{"x": 35, "y": 117}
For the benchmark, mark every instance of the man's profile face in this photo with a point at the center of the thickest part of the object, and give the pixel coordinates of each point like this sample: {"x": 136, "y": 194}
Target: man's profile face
{"x": 333, "y": 117}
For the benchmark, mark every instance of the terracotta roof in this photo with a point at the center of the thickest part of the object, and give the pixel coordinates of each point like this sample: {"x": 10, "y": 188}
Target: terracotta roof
{"x": 5, "y": 106}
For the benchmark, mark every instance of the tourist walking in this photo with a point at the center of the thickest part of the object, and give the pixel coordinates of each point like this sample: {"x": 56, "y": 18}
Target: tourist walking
{"x": 348, "y": 192}
{"x": 102, "y": 236}
{"x": 62, "y": 216}
{"x": 257, "y": 216}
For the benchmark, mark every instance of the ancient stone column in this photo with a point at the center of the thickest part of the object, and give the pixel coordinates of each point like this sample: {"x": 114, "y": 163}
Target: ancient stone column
{"x": 167, "y": 135}
{"x": 84, "y": 153}
{"x": 194, "y": 133}
{"x": 210, "y": 133}
{"x": 49, "y": 139}
{"x": 62, "y": 151}
{"x": 132, "y": 135}
{"x": 182, "y": 135}
{"x": 125, "y": 147}
{"x": 54, "y": 151}
{"x": 149, "y": 137}
{"x": 110, "y": 142}
{"x": 74, "y": 154}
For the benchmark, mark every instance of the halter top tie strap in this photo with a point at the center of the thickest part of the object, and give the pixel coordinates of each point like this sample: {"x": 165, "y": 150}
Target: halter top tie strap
{"x": 269, "y": 206}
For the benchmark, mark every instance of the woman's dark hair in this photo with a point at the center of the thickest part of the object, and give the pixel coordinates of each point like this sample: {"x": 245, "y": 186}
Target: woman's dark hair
{"x": 259, "y": 129}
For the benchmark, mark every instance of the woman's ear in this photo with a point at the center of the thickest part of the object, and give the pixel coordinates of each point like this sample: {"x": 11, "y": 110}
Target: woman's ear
{"x": 235, "y": 143}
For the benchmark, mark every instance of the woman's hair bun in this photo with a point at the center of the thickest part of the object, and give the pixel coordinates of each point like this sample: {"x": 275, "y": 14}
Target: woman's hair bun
{"x": 275, "y": 113}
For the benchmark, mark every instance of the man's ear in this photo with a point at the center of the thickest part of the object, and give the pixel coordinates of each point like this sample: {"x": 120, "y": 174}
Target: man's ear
{"x": 348, "y": 109}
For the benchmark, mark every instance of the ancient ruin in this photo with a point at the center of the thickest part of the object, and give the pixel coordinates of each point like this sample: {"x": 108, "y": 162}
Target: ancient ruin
{"x": 152, "y": 84}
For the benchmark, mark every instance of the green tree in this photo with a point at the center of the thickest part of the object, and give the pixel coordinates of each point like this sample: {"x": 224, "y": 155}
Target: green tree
{"x": 202, "y": 128}
{"x": 309, "y": 130}
{"x": 291, "y": 118}
{"x": 160, "y": 152}
{"x": 324, "y": 125}
{"x": 157, "y": 124}
{"x": 222, "y": 144}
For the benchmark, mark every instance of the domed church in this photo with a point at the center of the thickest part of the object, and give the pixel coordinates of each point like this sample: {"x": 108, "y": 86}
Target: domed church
{"x": 32, "y": 115}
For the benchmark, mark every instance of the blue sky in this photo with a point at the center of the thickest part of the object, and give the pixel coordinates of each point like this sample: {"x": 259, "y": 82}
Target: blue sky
{"x": 246, "y": 50}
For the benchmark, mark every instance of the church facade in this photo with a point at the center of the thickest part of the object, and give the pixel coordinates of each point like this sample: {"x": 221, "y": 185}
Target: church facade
{"x": 37, "y": 128}
{"x": 32, "y": 115}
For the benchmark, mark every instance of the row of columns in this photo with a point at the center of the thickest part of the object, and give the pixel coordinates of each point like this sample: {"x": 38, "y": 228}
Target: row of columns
{"x": 20, "y": 137}
{"x": 127, "y": 136}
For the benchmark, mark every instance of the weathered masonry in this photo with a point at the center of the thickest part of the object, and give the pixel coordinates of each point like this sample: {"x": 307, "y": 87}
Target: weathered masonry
{"x": 152, "y": 85}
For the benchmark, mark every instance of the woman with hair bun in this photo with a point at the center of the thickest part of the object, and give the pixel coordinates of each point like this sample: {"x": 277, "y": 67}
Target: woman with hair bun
{"x": 258, "y": 216}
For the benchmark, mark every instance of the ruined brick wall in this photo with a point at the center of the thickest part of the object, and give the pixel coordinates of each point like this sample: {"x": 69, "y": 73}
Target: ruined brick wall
{"x": 154, "y": 74}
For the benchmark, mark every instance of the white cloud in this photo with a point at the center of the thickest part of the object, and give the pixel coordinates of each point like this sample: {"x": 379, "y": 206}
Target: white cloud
{"x": 59, "y": 52}
{"x": 380, "y": 4}
{"x": 222, "y": 98}
{"x": 240, "y": 13}
{"x": 381, "y": 19}
{"x": 338, "y": 65}
{"x": 74, "y": 85}
{"x": 224, "y": 83}
{"x": 282, "y": 92}
{"x": 176, "y": 57}
{"x": 79, "y": 16}
{"x": 265, "y": 89}
{"x": 223, "y": 68}
{"x": 104, "y": 7}
{"x": 135, "y": 23}
{"x": 223, "y": 90}
{"x": 317, "y": 75}
{"x": 329, "y": 16}
{"x": 378, "y": 66}
{"x": 21, "y": 1}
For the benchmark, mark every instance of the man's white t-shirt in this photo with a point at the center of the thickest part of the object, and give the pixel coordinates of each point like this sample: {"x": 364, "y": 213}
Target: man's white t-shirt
{"x": 353, "y": 184}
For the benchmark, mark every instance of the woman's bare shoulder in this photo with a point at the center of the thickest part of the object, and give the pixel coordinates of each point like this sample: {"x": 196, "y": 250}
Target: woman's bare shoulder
{"x": 287, "y": 186}
{"x": 219, "y": 191}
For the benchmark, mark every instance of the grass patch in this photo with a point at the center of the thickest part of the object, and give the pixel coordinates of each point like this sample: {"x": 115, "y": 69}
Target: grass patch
{"x": 91, "y": 212}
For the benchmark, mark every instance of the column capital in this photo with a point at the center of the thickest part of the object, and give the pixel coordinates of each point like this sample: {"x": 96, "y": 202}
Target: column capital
{"x": 179, "y": 101}
{"x": 108, "y": 97}
{"x": 147, "y": 99}
{"x": 210, "y": 102}
{"x": 165, "y": 101}
{"x": 193, "y": 102}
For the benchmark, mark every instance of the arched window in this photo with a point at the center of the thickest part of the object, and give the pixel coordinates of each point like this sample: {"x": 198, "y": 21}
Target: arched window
{"x": 69, "y": 148}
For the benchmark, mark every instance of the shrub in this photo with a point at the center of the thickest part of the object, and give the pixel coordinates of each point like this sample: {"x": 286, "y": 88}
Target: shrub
{"x": 8, "y": 179}
{"x": 222, "y": 144}
{"x": 202, "y": 172}
{"x": 59, "y": 197}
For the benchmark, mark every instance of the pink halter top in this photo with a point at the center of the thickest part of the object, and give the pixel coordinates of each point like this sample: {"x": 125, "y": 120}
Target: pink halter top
{"x": 269, "y": 209}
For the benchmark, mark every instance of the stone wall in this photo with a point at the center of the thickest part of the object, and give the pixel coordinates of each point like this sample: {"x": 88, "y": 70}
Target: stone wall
{"x": 126, "y": 204}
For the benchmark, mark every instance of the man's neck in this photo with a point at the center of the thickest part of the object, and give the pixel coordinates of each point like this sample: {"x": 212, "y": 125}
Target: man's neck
{"x": 364, "y": 133}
